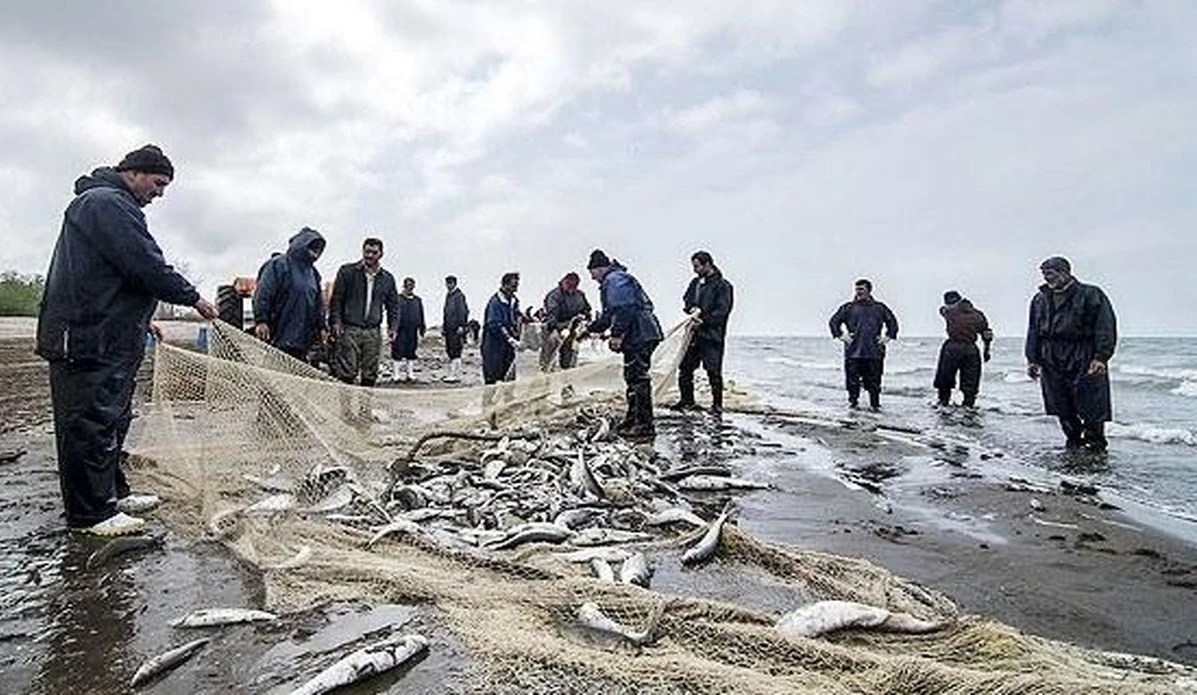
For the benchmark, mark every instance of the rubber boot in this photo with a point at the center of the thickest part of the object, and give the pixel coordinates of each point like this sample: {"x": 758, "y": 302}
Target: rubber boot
{"x": 717, "y": 398}
{"x": 874, "y": 400}
{"x": 970, "y": 400}
{"x": 945, "y": 397}
{"x": 685, "y": 388}
{"x": 408, "y": 368}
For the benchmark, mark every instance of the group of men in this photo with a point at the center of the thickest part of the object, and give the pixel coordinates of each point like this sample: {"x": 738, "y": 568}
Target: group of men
{"x": 1071, "y": 336}
{"x": 107, "y": 274}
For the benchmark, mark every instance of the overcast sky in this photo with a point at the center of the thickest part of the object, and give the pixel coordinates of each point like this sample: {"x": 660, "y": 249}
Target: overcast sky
{"x": 925, "y": 145}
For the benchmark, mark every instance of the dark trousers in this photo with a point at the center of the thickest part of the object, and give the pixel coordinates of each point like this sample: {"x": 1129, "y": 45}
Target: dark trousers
{"x": 708, "y": 353}
{"x": 497, "y": 358}
{"x": 406, "y": 340}
{"x": 866, "y": 372}
{"x": 357, "y": 352}
{"x": 91, "y": 406}
{"x": 965, "y": 359}
{"x": 1080, "y": 401}
{"x": 637, "y": 359}
{"x": 453, "y": 341}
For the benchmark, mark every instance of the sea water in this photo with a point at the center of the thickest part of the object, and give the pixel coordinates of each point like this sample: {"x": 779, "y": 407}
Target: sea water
{"x": 1152, "y": 458}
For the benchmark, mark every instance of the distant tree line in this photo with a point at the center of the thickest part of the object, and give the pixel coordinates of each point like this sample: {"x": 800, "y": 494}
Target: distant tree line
{"x": 20, "y": 294}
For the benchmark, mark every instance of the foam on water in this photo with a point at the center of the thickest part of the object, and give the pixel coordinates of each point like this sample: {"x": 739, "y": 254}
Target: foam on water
{"x": 1187, "y": 389}
{"x": 1152, "y": 433}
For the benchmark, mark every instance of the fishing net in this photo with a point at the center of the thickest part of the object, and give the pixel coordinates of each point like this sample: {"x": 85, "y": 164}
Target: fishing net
{"x": 296, "y": 472}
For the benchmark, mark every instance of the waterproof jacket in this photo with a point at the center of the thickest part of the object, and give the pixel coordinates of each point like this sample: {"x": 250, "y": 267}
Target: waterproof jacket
{"x": 289, "y": 294}
{"x": 411, "y": 314}
{"x": 627, "y": 310}
{"x": 864, "y": 320}
{"x": 561, "y": 307}
{"x": 457, "y": 311}
{"x": 347, "y": 306}
{"x": 501, "y": 322}
{"x": 105, "y": 277}
{"x": 1069, "y": 329}
{"x": 714, "y": 297}
{"x": 964, "y": 323}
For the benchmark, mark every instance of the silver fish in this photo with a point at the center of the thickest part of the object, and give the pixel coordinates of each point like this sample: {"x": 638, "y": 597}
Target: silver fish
{"x": 535, "y": 532}
{"x": 708, "y": 544}
{"x": 591, "y": 616}
{"x": 714, "y": 482}
{"x": 211, "y": 617}
{"x": 398, "y": 525}
{"x": 607, "y": 536}
{"x": 603, "y": 553}
{"x": 602, "y": 569}
{"x": 274, "y": 504}
{"x": 822, "y": 617}
{"x": 573, "y": 518}
{"x": 364, "y": 663}
{"x": 299, "y": 559}
{"x": 582, "y": 479}
{"x": 674, "y": 515}
{"x": 635, "y": 570}
{"x": 223, "y": 523}
{"x": 166, "y": 661}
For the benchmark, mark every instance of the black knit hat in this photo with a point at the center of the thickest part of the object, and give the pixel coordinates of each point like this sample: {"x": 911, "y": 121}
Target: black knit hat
{"x": 951, "y": 297}
{"x": 1059, "y": 264}
{"x": 598, "y": 259}
{"x": 148, "y": 159}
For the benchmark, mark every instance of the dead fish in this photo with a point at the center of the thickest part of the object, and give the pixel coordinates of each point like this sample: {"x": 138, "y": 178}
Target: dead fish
{"x": 275, "y": 484}
{"x": 708, "y": 544}
{"x": 674, "y": 515}
{"x": 274, "y": 504}
{"x": 364, "y": 663}
{"x": 688, "y": 471}
{"x": 603, "y": 432}
{"x": 211, "y": 617}
{"x": 602, "y": 569}
{"x": 494, "y": 468}
{"x": 573, "y": 518}
{"x": 535, "y": 532}
{"x": 119, "y": 546}
{"x": 223, "y": 523}
{"x": 714, "y": 482}
{"x": 12, "y": 455}
{"x": 582, "y": 479}
{"x": 607, "y": 536}
{"x": 167, "y": 661}
{"x": 299, "y": 559}
{"x": 591, "y": 616}
{"x": 635, "y": 570}
{"x": 339, "y": 498}
{"x": 398, "y": 525}
{"x": 603, "y": 553}
{"x": 822, "y": 617}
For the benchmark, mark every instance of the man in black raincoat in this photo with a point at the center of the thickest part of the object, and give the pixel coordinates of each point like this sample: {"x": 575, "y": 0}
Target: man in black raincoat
{"x": 1071, "y": 337}
{"x": 288, "y": 303}
{"x": 859, "y": 325}
{"x": 411, "y": 329}
{"x": 453, "y": 325}
{"x": 708, "y": 300}
{"x": 964, "y": 324}
{"x": 106, "y": 276}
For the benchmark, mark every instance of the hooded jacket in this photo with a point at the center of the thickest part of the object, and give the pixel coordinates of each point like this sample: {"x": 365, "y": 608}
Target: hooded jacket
{"x": 627, "y": 310}
{"x": 560, "y": 307}
{"x": 864, "y": 320}
{"x": 289, "y": 294}
{"x": 105, "y": 277}
{"x": 714, "y": 297}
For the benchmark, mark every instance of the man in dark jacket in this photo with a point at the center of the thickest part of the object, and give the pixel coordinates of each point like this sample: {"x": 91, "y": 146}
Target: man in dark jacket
{"x": 501, "y": 332}
{"x": 634, "y": 331}
{"x": 453, "y": 326}
{"x": 411, "y": 329}
{"x": 105, "y": 278}
{"x": 964, "y": 323}
{"x": 859, "y": 324}
{"x": 361, "y": 294}
{"x": 1071, "y": 337}
{"x": 708, "y": 300}
{"x": 289, "y": 301}
{"x": 565, "y": 311}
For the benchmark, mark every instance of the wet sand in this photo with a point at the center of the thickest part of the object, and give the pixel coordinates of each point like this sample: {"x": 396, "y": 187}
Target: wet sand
{"x": 1068, "y": 569}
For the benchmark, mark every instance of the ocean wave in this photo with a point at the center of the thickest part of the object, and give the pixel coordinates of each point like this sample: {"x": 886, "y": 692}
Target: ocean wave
{"x": 1180, "y": 374}
{"x": 1018, "y": 376}
{"x": 891, "y": 369}
{"x": 1186, "y": 388}
{"x": 1006, "y": 408}
{"x": 804, "y": 364}
{"x": 1152, "y": 433}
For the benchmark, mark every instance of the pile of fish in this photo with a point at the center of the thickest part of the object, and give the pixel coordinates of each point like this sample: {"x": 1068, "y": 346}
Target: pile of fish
{"x": 583, "y": 490}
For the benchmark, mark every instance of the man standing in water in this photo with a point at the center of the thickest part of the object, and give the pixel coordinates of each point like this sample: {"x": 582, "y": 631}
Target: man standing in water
{"x": 453, "y": 327}
{"x": 634, "y": 331}
{"x": 858, "y": 324}
{"x": 1071, "y": 337}
{"x": 959, "y": 353}
{"x": 708, "y": 300}
{"x": 106, "y": 276}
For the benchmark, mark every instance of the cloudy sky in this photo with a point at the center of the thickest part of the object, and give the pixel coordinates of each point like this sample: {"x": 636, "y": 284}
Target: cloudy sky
{"x": 925, "y": 144}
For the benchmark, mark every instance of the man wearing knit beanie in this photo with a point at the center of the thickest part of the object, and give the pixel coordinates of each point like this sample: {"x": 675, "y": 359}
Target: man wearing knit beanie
{"x": 106, "y": 276}
{"x": 1070, "y": 339}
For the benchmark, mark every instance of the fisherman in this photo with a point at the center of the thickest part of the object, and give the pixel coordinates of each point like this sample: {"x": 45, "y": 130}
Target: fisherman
{"x": 1071, "y": 337}
{"x": 708, "y": 300}
{"x": 859, "y": 324}
{"x": 501, "y": 331}
{"x": 634, "y": 331}
{"x": 105, "y": 278}
{"x": 566, "y": 311}
{"x": 288, "y": 302}
{"x": 361, "y": 294}
{"x": 453, "y": 326}
{"x": 411, "y": 329}
{"x": 964, "y": 323}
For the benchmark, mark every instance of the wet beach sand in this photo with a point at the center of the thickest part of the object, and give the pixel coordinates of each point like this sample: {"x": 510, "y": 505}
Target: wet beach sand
{"x": 1052, "y": 561}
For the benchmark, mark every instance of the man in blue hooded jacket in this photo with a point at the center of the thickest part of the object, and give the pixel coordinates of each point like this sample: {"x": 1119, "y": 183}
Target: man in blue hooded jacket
{"x": 634, "y": 331}
{"x": 106, "y": 276}
{"x": 501, "y": 331}
{"x": 859, "y": 324}
{"x": 289, "y": 302}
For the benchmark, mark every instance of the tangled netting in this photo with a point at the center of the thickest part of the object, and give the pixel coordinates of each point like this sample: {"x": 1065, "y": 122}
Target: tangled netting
{"x": 298, "y": 474}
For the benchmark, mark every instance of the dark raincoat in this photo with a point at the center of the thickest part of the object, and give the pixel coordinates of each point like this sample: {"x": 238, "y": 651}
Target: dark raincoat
{"x": 289, "y": 295}
{"x": 105, "y": 278}
{"x": 501, "y": 324}
{"x": 1067, "y": 330}
{"x": 714, "y": 296}
{"x": 453, "y": 323}
{"x": 628, "y": 313}
{"x": 864, "y": 320}
{"x": 411, "y": 327}
{"x": 560, "y": 308}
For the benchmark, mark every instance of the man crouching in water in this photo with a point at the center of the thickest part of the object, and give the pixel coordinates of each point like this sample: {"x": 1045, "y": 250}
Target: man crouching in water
{"x": 634, "y": 331}
{"x": 964, "y": 323}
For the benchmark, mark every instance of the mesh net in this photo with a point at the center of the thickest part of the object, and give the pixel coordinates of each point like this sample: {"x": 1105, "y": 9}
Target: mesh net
{"x": 297, "y": 474}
